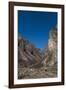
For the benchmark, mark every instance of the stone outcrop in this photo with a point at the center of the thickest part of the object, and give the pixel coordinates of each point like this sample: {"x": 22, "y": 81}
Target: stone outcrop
{"x": 28, "y": 55}
{"x": 50, "y": 53}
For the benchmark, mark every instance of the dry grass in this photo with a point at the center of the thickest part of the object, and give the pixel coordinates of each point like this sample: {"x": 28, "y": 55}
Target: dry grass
{"x": 42, "y": 72}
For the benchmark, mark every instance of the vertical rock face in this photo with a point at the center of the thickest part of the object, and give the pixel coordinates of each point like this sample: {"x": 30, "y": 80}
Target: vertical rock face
{"x": 52, "y": 42}
{"x": 50, "y": 53}
{"x": 52, "y": 46}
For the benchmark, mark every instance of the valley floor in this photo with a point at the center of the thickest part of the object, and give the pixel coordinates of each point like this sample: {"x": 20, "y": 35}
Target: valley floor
{"x": 42, "y": 72}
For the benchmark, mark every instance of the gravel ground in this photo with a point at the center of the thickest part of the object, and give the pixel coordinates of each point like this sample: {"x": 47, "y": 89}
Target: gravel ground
{"x": 42, "y": 72}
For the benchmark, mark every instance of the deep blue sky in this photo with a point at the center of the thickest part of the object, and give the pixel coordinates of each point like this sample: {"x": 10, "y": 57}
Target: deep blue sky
{"x": 35, "y": 26}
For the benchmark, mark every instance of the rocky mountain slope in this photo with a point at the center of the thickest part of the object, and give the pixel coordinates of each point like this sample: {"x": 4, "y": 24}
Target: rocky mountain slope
{"x": 34, "y": 64}
{"x": 28, "y": 55}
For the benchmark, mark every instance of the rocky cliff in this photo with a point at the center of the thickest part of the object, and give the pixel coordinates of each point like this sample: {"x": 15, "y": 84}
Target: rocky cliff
{"x": 50, "y": 52}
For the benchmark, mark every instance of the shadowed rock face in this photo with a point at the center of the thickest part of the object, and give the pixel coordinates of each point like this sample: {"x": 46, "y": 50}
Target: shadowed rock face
{"x": 28, "y": 55}
{"x": 36, "y": 63}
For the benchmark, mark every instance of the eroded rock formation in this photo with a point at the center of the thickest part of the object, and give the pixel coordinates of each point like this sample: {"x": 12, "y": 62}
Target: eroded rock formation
{"x": 50, "y": 53}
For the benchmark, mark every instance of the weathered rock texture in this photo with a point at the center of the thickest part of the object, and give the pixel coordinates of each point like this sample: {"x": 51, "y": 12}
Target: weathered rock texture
{"x": 50, "y": 55}
{"x": 34, "y": 64}
{"x": 28, "y": 55}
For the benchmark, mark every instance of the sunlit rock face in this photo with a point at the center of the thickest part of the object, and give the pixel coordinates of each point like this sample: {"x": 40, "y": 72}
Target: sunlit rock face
{"x": 52, "y": 46}
{"x": 52, "y": 42}
{"x": 50, "y": 55}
